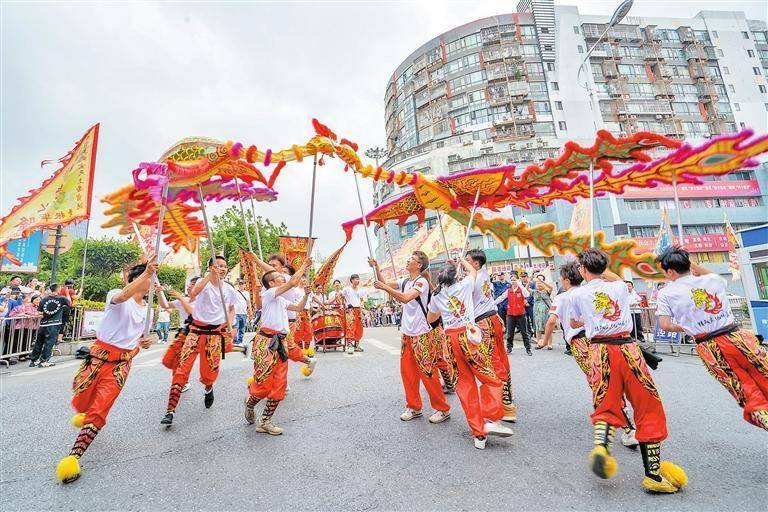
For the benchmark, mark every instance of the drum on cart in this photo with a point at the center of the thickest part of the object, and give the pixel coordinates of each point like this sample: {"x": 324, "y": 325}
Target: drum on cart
{"x": 328, "y": 328}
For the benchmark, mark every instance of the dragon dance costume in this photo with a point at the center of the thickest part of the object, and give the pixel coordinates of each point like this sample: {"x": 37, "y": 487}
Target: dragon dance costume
{"x": 487, "y": 318}
{"x": 270, "y": 361}
{"x": 421, "y": 350}
{"x": 617, "y": 368}
{"x": 102, "y": 376}
{"x": 204, "y": 339}
{"x": 456, "y": 307}
{"x": 353, "y": 328}
{"x": 733, "y": 356}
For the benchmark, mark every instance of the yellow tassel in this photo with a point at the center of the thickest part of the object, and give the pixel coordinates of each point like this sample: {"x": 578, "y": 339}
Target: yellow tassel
{"x": 78, "y": 420}
{"x": 249, "y": 380}
{"x": 310, "y": 352}
{"x": 68, "y": 469}
{"x": 306, "y": 371}
{"x": 673, "y": 473}
{"x": 603, "y": 465}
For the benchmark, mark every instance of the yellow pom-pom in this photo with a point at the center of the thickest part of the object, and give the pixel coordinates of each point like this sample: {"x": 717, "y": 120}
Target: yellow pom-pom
{"x": 310, "y": 352}
{"x": 78, "y": 420}
{"x": 306, "y": 371}
{"x": 673, "y": 473}
{"x": 68, "y": 469}
{"x": 249, "y": 380}
{"x": 603, "y": 465}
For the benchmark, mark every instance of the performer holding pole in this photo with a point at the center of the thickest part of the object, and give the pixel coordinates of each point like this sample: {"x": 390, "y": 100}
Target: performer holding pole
{"x": 353, "y": 297}
{"x": 603, "y": 305}
{"x": 421, "y": 347}
{"x": 695, "y": 302}
{"x": 102, "y": 375}
{"x": 160, "y": 219}
{"x": 212, "y": 318}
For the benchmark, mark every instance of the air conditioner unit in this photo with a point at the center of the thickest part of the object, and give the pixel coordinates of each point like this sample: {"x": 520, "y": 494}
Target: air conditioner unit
{"x": 466, "y": 143}
{"x": 659, "y": 116}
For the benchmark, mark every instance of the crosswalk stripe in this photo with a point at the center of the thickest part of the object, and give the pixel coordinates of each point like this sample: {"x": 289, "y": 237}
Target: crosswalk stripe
{"x": 383, "y": 346}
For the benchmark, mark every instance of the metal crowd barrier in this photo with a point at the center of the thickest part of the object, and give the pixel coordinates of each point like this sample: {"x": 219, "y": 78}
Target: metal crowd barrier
{"x": 17, "y": 336}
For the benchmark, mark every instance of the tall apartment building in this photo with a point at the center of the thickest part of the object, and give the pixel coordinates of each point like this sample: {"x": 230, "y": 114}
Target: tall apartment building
{"x": 505, "y": 90}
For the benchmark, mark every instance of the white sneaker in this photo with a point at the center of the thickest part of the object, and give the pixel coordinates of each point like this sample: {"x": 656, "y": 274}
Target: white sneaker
{"x": 439, "y": 416}
{"x": 480, "y": 442}
{"x": 410, "y": 414}
{"x": 312, "y": 364}
{"x": 494, "y": 428}
{"x": 351, "y": 350}
{"x": 185, "y": 388}
{"x": 628, "y": 439}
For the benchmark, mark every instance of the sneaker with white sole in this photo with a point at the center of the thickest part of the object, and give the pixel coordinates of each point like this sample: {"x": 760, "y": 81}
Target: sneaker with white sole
{"x": 185, "y": 388}
{"x": 267, "y": 427}
{"x": 628, "y": 439}
{"x": 410, "y": 414}
{"x": 351, "y": 350}
{"x": 480, "y": 442}
{"x": 312, "y": 364}
{"x": 439, "y": 416}
{"x": 46, "y": 364}
{"x": 494, "y": 428}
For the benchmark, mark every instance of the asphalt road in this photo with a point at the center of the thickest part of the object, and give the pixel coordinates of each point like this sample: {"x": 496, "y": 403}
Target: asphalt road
{"x": 344, "y": 446}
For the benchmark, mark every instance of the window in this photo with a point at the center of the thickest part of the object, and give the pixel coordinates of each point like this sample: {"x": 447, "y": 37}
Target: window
{"x": 555, "y": 86}
{"x": 461, "y": 63}
{"x": 742, "y": 126}
{"x": 597, "y": 71}
{"x": 737, "y": 107}
{"x": 711, "y": 257}
{"x": 545, "y": 30}
{"x": 720, "y": 53}
{"x": 542, "y": 107}
{"x": 550, "y": 66}
{"x": 731, "y": 88}
{"x": 726, "y": 71}
{"x": 559, "y": 105}
{"x": 527, "y": 31}
{"x": 760, "y": 37}
{"x": 465, "y": 43}
{"x": 761, "y": 88}
{"x": 575, "y": 29}
{"x": 490, "y": 242}
{"x": 756, "y": 71}
{"x": 750, "y": 53}
{"x": 534, "y": 68}
{"x": 580, "y": 49}
{"x": 766, "y": 106}
{"x": 562, "y": 125}
{"x": 544, "y": 129}
{"x": 548, "y": 48}
{"x": 529, "y": 50}
{"x": 714, "y": 33}
{"x": 745, "y": 35}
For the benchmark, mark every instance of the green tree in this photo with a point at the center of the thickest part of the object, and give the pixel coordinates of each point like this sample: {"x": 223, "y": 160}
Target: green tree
{"x": 175, "y": 277}
{"x": 229, "y": 233}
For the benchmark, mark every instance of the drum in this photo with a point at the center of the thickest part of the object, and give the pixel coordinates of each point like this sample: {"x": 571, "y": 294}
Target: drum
{"x": 328, "y": 325}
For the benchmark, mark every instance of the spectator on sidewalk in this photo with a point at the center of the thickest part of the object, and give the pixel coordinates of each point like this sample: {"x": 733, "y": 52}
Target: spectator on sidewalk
{"x": 528, "y": 285}
{"x": 635, "y": 303}
{"x": 242, "y": 305}
{"x": 55, "y": 311}
{"x": 68, "y": 291}
{"x": 24, "y": 328}
{"x": 163, "y": 324}
{"x": 500, "y": 287}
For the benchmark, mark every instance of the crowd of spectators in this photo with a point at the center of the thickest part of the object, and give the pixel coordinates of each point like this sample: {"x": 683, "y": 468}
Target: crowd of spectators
{"x": 383, "y": 315}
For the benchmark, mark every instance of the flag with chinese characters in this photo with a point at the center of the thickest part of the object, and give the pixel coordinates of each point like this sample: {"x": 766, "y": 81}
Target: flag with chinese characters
{"x": 62, "y": 199}
{"x": 252, "y": 275}
{"x": 733, "y": 243}
{"x": 294, "y": 248}
{"x": 664, "y": 238}
{"x": 580, "y": 217}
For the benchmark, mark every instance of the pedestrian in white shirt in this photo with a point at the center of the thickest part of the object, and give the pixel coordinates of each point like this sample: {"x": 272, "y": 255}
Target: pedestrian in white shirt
{"x": 353, "y": 331}
{"x": 696, "y": 303}
{"x": 209, "y": 331}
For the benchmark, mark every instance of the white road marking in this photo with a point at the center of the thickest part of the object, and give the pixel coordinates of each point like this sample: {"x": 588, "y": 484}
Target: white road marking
{"x": 381, "y": 345}
{"x": 76, "y": 362}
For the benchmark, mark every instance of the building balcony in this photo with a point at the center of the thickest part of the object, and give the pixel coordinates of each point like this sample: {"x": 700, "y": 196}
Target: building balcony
{"x": 502, "y": 71}
{"x": 695, "y": 53}
{"x": 500, "y": 53}
{"x": 641, "y": 107}
{"x": 513, "y": 118}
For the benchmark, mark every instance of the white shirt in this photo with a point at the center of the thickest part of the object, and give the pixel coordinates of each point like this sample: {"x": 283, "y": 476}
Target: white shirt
{"x": 604, "y": 307}
{"x": 352, "y": 296}
{"x": 122, "y": 324}
{"x": 208, "y": 308}
{"x": 294, "y": 296}
{"x": 274, "y": 311}
{"x": 241, "y": 301}
{"x": 562, "y": 308}
{"x": 482, "y": 295}
{"x": 178, "y": 305}
{"x": 455, "y": 303}
{"x": 163, "y": 315}
{"x": 698, "y": 304}
{"x": 414, "y": 322}
{"x": 634, "y": 299}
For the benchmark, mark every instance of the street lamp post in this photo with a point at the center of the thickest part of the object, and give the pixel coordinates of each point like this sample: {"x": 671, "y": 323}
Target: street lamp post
{"x": 621, "y": 11}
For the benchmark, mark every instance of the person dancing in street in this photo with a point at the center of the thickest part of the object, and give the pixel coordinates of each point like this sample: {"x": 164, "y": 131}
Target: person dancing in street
{"x": 617, "y": 367}
{"x": 296, "y": 296}
{"x": 420, "y": 351}
{"x": 209, "y": 331}
{"x": 696, "y": 303}
{"x": 492, "y": 327}
{"x": 102, "y": 375}
{"x": 353, "y": 331}
{"x": 453, "y": 303}
{"x": 575, "y": 339}
{"x": 269, "y": 350}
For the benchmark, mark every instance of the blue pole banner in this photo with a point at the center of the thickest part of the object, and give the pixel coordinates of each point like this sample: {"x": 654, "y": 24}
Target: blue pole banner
{"x": 27, "y": 250}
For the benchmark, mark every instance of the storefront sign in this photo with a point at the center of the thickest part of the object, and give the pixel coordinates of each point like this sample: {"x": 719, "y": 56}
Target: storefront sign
{"x": 719, "y": 189}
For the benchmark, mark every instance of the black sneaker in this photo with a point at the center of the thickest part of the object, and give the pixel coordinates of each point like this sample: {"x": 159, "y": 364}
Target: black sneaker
{"x": 208, "y": 399}
{"x": 167, "y": 420}
{"x": 32, "y": 364}
{"x": 528, "y": 351}
{"x": 568, "y": 352}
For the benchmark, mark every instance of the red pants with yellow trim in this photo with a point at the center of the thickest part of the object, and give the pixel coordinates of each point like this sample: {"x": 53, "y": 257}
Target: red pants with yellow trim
{"x": 171, "y": 356}
{"x": 303, "y": 333}
{"x": 270, "y": 373}
{"x": 446, "y": 363}
{"x": 493, "y": 335}
{"x": 354, "y": 324}
{"x": 99, "y": 381}
{"x": 292, "y": 347}
{"x": 208, "y": 346}
{"x": 619, "y": 370}
{"x": 418, "y": 362}
{"x": 474, "y": 362}
{"x": 580, "y": 351}
{"x": 740, "y": 364}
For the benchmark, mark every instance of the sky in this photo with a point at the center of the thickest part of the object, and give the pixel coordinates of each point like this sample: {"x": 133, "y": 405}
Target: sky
{"x": 253, "y": 72}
